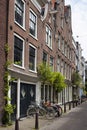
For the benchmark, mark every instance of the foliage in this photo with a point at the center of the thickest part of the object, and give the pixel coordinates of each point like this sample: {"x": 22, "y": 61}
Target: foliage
{"x": 76, "y": 79}
{"x": 8, "y": 108}
{"x": 6, "y": 48}
{"x": 44, "y": 73}
{"x": 58, "y": 81}
{"x": 53, "y": 78}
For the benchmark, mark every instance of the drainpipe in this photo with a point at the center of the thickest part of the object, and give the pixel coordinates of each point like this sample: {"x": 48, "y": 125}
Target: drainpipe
{"x": 7, "y": 15}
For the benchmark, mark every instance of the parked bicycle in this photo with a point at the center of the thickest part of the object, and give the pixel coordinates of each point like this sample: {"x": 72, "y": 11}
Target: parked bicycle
{"x": 58, "y": 110}
{"x": 43, "y": 111}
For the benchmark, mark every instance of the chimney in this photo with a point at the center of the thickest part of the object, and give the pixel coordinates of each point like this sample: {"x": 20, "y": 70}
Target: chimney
{"x": 53, "y": 3}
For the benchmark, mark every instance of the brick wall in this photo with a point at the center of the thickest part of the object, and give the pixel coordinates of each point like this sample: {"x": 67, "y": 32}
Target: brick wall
{"x": 2, "y": 54}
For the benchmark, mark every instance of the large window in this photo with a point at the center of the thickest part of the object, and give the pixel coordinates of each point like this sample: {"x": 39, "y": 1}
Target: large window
{"x": 20, "y": 12}
{"x": 32, "y": 23}
{"x": 48, "y": 36}
{"x": 32, "y": 58}
{"x": 18, "y": 50}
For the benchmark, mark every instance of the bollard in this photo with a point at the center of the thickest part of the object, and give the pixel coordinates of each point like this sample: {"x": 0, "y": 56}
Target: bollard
{"x": 64, "y": 107}
{"x": 16, "y": 124}
{"x": 69, "y": 105}
{"x": 73, "y": 104}
{"x": 76, "y": 103}
{"x": 36, "y": 121}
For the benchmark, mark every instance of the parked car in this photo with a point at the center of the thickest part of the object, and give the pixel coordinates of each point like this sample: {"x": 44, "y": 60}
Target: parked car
{"x": 83, "y": 98}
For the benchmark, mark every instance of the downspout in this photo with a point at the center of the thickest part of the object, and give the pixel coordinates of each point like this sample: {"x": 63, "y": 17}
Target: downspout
{"x": 7, "y": 15}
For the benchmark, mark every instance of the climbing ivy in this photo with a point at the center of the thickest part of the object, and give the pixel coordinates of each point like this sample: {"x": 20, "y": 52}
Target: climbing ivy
{"x": 8, "y": 108}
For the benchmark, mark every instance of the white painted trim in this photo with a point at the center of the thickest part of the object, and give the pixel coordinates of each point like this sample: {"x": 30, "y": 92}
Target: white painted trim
{"x": 35, "y": 57}
{"x": 36, "y": 4}
{"x": 18, "y": 98}
{"x": 36, "y": 24}
{"x": 22, "y": 52}
{"x": 23, "y": 27}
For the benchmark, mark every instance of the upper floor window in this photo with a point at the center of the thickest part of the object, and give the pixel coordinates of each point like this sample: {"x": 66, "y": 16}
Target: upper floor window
{"x": 58, "y": 64}
{"x": 51, "y": 63}
{"x": 44, "y": 57}
{"x": 32, "y": 58}
{"x": 20, "y": 12}
{"x": 32, "y": 23}
{"x": 18, "y": 50}
{"x": 62, "y": 45}
{"x": 59, "y": 41}
{"x": 48, "y": 36}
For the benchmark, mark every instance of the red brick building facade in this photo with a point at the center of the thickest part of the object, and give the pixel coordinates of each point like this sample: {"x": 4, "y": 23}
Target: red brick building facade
{"x": 38, "y": 31}
{"x": 3, "y": 41}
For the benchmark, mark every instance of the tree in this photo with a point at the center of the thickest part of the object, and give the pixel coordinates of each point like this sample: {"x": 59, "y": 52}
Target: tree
{"x": 58, "y": 81}
{"x": 54, "y": 79}
{"x": 76, "y": 79}
{"x": 44, "y": 73}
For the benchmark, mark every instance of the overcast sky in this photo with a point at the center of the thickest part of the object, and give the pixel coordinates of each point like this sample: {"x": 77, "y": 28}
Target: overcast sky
{"x": 79, "y": 22}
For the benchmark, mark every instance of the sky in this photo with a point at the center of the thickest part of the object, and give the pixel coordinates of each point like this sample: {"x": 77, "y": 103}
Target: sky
{"x": 79, "y": 22}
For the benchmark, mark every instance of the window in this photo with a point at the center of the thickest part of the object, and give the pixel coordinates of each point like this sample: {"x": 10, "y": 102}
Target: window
{"x": 58, "y": 64}
{"x": 63, "y": 45}
{"x": 32, "y": 58}
{"x": 20, "y": 12}
{"x": 18, "y": 50}
{"x": 32, "y": 25}
{"x": 62, "y": 65}
{"x": 44, "y": 57}
{"x": 59, "y": 41}
{"x": 48, "y": 37}
{"x": 51, "y": 63}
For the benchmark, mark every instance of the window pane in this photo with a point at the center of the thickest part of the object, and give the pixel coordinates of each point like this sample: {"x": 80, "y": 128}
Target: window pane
{"x": 44, "y": 57}
{"x": 19, "y": 12}
{"x": 18, "y": 49}
{"x": 48, "y": 37}
{"x": 31, "y": 58}
{"x": 32, "y": 26}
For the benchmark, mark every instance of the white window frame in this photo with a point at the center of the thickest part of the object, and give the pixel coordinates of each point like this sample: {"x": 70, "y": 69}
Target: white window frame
{"x": 22, "y": 51}
{"x": 35, "y": 24}
{"x": 35, "y": 57}
{"x": 23, "y": 27}
{"x": 48, "y": 37}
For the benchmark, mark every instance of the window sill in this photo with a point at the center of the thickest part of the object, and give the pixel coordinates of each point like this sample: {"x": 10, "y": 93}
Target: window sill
{"x": 33, "y": 36}
{"x": 21, "y": 67}
{"x": 23, "y": 28}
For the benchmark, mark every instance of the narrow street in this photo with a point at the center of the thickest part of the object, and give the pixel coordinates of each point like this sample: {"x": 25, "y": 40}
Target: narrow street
{"x": 76, "y": 119}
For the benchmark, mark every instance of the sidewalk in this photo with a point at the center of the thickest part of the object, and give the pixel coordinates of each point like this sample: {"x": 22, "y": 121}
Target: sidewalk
{"x": 29, "y": 123}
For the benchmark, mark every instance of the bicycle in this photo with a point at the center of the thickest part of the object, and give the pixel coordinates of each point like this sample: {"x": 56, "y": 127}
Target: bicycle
{"x": 42, "y": 110}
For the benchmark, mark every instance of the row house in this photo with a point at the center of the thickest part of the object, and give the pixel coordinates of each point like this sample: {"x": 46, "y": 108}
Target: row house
{"x": 36, "y": 31}
{"x": 80, "y": 68}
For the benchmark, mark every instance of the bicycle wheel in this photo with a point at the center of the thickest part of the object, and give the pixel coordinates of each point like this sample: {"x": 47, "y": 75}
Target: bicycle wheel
{"x": 42, "y": 113}
{"x": 31, "y": 112}
{"x": 50, "y": 113}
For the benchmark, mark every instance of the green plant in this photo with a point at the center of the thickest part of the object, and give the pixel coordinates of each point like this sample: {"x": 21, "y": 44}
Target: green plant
{"x": 44, "y": 73}
{"x": 58, "y": 81}
{"x": 18, "y": 62}
{"x": 8, "y": 108}
{"x": 76, "y": 79}
{"x": 54, "y": 79}
{"x": 6, "y": 48}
